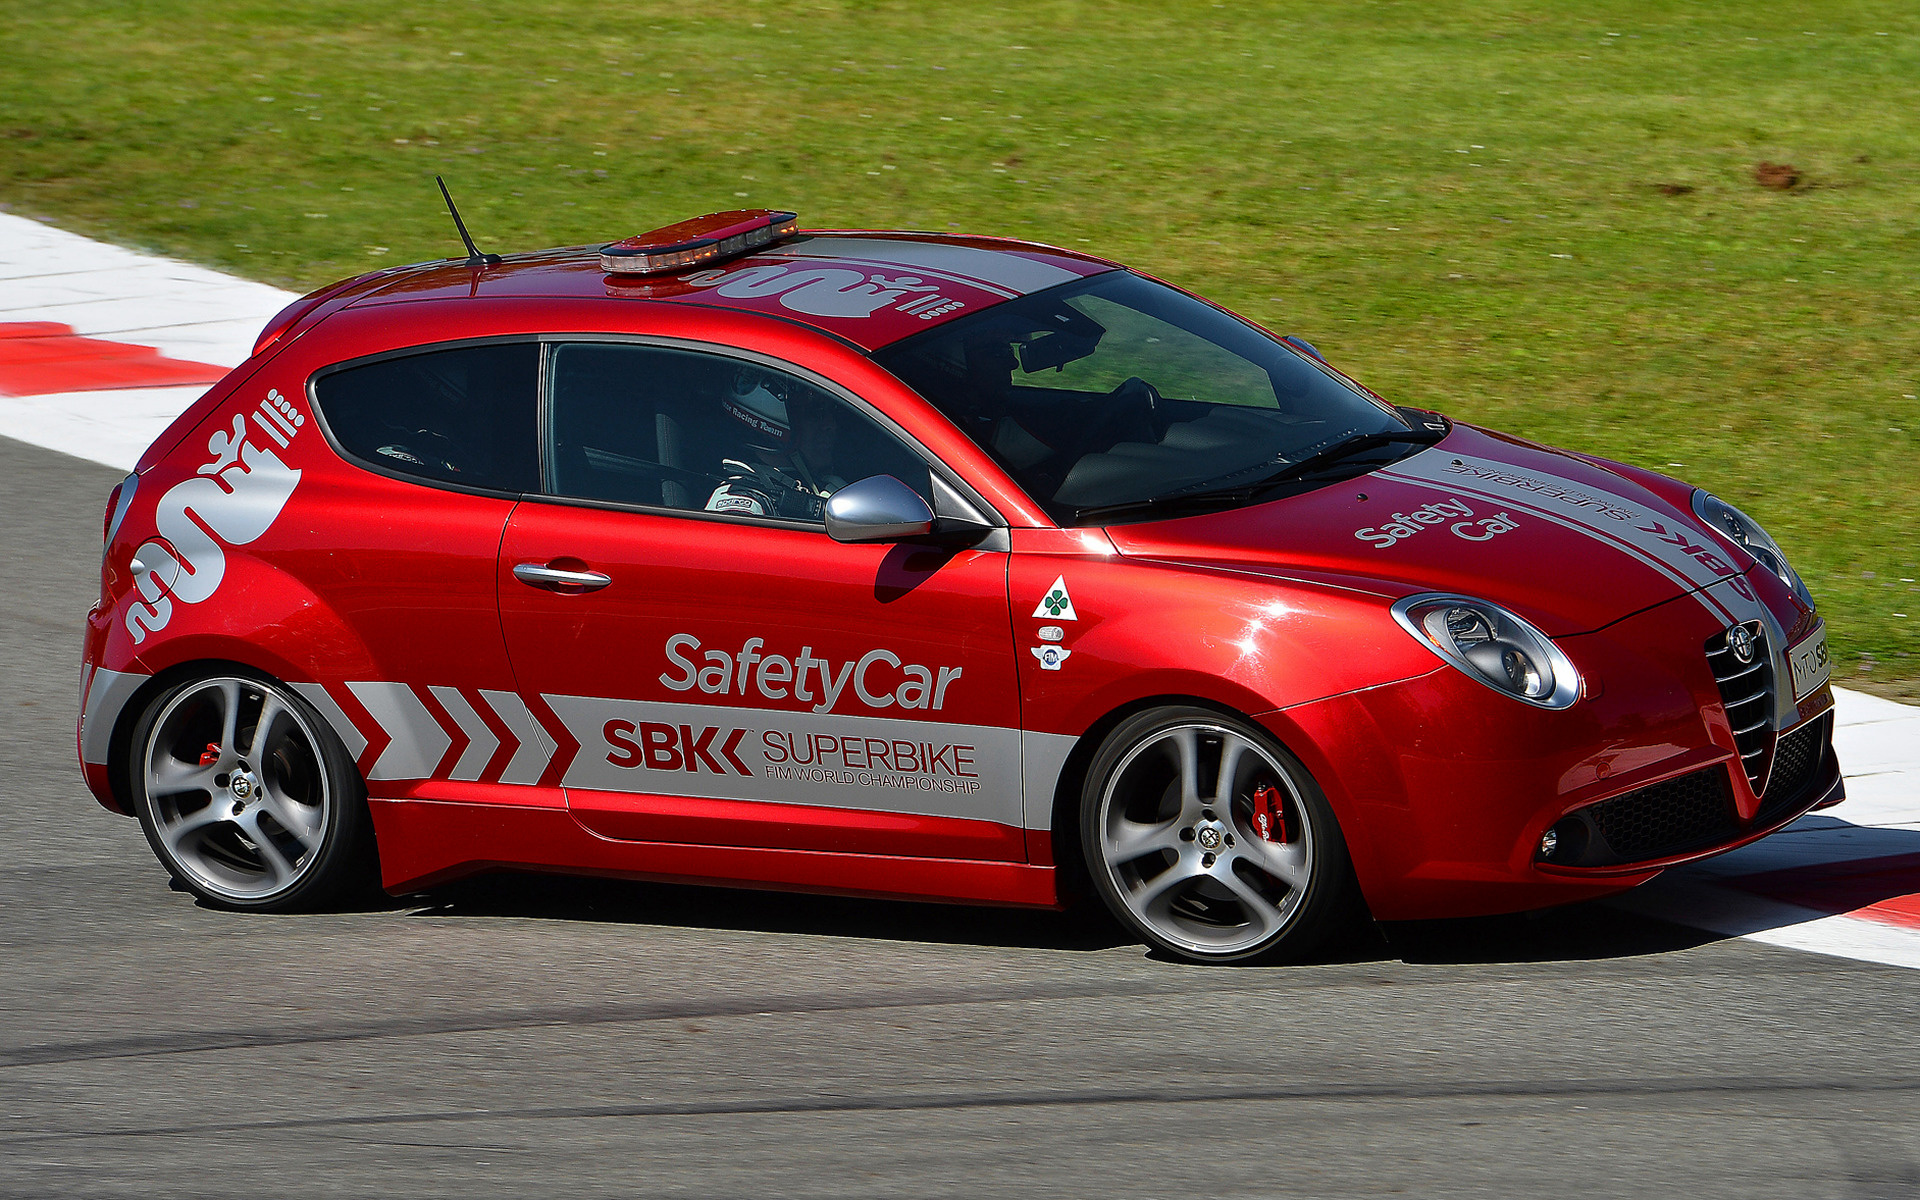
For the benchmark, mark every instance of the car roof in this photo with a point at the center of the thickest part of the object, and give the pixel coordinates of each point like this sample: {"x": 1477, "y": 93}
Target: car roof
{"x": 868, "y": 288}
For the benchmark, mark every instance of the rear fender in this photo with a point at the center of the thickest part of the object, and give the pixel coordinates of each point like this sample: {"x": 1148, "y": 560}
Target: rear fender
{"x": 284, "y": 631}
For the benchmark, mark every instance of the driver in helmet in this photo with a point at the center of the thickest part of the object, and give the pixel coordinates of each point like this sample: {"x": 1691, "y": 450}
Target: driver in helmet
{"x": 787, "y": 469}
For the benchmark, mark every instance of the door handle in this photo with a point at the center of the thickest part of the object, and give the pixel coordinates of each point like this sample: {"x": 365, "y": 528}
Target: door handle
{"x": 554, "y": 579}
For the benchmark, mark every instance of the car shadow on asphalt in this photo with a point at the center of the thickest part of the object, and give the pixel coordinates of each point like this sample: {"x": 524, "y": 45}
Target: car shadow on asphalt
{"x": 1577, "y": 932}
{"x": 571, "y": 898}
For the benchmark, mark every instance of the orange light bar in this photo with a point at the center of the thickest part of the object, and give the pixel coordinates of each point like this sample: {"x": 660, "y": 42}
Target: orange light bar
{"x": 690, "y": 243}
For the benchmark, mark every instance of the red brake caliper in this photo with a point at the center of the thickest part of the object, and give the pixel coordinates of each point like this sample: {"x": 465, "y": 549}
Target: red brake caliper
{"x": 1269, "y": 819}
{"x": 210, "y": 755}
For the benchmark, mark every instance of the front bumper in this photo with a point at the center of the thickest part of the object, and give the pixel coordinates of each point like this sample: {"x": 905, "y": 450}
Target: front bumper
{"x": 1695, "y": 815}
{"x": 1445, "y": 788}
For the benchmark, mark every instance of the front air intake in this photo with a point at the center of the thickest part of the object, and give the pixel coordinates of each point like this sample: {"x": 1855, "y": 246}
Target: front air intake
{"x": 1797, "y": 759}
{"x": 1692, "y": 812}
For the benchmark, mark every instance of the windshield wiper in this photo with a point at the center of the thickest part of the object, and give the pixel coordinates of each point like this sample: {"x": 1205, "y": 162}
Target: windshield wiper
{"x": 1344, "y": 448}
{"x": 1348, "y": 447}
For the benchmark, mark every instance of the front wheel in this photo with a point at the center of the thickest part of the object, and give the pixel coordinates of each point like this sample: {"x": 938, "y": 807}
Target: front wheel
{"x": 1211, "y": 841}
{"x": 247, "y": 797}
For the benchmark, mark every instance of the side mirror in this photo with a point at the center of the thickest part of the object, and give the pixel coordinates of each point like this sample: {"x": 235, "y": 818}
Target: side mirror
{"x": 878, "y": 508}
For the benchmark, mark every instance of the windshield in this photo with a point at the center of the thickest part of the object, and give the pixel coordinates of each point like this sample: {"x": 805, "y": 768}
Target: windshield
{"x": 1115, "y": 390}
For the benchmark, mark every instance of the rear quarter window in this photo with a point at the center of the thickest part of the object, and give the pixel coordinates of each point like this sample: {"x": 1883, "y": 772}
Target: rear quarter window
{"x": 464, "y": 415}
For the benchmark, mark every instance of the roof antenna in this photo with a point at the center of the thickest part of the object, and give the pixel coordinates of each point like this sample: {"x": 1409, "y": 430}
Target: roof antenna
{"x": 474, "y": 257}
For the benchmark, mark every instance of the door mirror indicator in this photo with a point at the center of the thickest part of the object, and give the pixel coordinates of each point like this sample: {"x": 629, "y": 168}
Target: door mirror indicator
{"x": 878, "y": 508}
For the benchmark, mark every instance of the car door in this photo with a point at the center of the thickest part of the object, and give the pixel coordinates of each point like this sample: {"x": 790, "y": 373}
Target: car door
{"x": 401, "y": 553}
{"x": 727, "y": 673}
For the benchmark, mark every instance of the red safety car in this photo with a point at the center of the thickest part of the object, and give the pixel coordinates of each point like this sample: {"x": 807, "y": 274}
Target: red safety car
{"x": 913, "y": 565}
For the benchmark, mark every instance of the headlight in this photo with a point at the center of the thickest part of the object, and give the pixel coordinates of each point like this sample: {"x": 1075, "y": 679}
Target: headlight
{"x": 1745, "y": 532}
{"x": 1492, "y": 645}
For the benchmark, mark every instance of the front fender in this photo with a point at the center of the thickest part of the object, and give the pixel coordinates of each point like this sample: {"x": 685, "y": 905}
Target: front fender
{"x": 1140, "y": 628}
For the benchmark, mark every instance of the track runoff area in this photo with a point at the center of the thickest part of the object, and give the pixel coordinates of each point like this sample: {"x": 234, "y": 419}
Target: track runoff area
{"x": 100, "y": 347}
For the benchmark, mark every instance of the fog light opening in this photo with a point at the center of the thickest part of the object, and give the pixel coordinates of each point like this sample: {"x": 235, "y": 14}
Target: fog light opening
{"x": 1566, "y": 843}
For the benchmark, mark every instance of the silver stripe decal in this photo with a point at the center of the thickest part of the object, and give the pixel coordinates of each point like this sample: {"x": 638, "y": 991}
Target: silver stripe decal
{"x": 869, "y": 764}
{"x": 278, "y": 417}
{"x": 270, "y": 430}
{"x": 536, "y": 748}
{"x": 107, "y": 694}
{"x": 418, "y": 740}
{"x": 481, "y": 742}
{"x": 1491, "y": 480}
{"x": 1625, "y": 547}
{"x": 1043, "y": 756}
{"x": 992, "y": 270}
{"x": 873, "y": 764}
{"x": 348, "y": 732}
{"x": 902, "y": 268}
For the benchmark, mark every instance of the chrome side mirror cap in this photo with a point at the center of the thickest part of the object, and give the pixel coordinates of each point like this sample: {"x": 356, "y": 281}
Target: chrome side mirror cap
{"x": 878, "y": 508}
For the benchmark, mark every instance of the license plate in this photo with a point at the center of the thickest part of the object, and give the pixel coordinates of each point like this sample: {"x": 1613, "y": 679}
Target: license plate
{"x": 1810, "y": 664}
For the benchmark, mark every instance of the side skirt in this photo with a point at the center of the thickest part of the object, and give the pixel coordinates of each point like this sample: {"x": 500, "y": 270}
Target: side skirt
{"x": 427, "y": 842}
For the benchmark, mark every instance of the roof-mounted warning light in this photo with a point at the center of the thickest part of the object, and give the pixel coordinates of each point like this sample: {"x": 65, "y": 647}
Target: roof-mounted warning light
{"x": 691, "y": 243}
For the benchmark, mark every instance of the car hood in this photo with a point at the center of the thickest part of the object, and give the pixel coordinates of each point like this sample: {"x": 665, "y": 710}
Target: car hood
{"x": 1564, "y": 542}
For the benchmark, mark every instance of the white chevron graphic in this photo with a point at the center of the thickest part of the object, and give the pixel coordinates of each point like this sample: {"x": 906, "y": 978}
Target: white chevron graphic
{"x": 536, "y": 748}
{"x": 350, "y": 735}
{"x": 481, "y": 742}
{"x": 418, "y": 740}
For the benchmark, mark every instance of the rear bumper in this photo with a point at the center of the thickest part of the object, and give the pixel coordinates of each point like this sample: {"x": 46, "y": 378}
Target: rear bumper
{"x": 104, "y": 697}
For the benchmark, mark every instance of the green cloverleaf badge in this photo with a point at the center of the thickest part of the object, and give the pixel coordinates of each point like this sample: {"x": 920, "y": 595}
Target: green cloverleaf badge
{"x": 1056, "y": 604}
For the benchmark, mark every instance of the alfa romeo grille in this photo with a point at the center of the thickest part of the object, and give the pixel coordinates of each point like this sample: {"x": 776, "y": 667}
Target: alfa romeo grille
{"x": 1746, "y": 688}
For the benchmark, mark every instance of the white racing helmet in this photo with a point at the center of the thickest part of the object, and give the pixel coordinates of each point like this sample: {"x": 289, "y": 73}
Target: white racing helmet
{"x": 759, "y": 400}
{"x": 767, "y": 403}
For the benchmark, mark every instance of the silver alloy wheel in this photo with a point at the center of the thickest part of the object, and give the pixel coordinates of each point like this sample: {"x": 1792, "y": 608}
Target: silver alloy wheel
{"x": 1178, "y": 841}
{"x": 236, "y": 790}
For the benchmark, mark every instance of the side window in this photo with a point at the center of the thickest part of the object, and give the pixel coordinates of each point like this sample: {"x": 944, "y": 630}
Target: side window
{"x": 700, "y": 432}
{"x": 464, "y": 415}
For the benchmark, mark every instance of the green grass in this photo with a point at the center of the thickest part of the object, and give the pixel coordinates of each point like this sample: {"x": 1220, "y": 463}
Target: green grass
{"x": 1538, "y": 216}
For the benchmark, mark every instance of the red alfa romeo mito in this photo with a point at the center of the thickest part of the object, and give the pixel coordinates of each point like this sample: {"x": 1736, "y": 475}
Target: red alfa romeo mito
{"x": 901, "y": 564}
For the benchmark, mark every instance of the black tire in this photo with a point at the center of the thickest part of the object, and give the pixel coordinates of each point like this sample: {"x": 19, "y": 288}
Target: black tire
{"x": 247, "y": 796}
{"x": 1185, "y": 867}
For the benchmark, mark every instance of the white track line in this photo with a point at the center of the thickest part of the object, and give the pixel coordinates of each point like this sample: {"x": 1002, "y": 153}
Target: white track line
{"x": 193, "y": 313}
{"x": 1878, "y": 742}
{"x": 104, "y": 291}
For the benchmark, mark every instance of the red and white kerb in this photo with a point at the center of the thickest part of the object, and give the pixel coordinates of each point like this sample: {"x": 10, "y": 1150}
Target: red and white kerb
{"x": 697, "y": 241}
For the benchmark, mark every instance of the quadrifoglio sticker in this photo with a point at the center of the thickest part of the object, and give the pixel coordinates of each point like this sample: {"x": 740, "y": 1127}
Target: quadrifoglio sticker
{"x": 231, "y": 500}
{"x": 1056, "y": 605}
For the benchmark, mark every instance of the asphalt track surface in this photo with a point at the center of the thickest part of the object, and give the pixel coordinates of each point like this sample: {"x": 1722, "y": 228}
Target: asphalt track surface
{"x": 541, "y": 1037}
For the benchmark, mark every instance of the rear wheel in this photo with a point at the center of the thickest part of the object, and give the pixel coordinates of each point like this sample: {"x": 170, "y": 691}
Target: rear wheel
{"x": 247, "y": 797}
{"x": 1212, "y": 842}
